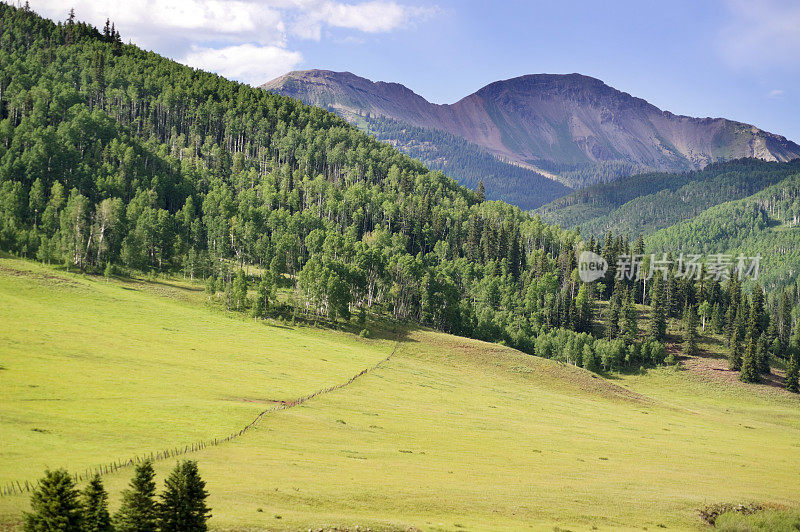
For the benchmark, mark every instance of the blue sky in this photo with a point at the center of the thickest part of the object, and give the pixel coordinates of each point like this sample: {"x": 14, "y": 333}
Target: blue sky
{"x": 732, "y": 58}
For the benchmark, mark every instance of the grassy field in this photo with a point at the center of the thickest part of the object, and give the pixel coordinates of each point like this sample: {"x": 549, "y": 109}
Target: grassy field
{"x": 448, "y": 434}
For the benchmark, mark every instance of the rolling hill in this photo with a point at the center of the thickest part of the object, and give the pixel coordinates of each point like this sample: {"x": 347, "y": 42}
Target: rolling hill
{"x": 570, "y": 127}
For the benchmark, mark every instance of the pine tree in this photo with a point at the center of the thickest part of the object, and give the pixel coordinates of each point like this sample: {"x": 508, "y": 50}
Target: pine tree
{"x": 183, "y": 503}
{"x": 138, "y": 510}
{"x": 690, "y": 331}
{"x": 784, "y": 320}
{"x": 792, "y": 373}
{"x": 717, "y": 319}
{"x": 612, "y": 317}
{"x": 735, "y": 353}
{"x": 658, "y": 320}
{"x": 630, "y": 328}
{"x": 95, "y": 507}
{"x": 758, "y": 316}
{"x": 481, "y": 192}
{"x": 749, "y": 372}
{"x": 54, "y": 505}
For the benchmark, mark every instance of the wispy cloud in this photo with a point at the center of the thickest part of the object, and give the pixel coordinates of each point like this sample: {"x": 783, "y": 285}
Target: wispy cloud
{"x": 761, "y": 34}
{"x": 776, "y": 93}
{"x": 224, "y": 35}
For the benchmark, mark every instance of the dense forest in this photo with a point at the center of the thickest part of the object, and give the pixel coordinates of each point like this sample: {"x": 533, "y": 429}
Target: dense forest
{"x": 468, "y": 163}
{"x": 581, "y": 175}
{"x": 765, "y": 224}
{"x": 113, "y": 158}
{"x": 646, "y": 203}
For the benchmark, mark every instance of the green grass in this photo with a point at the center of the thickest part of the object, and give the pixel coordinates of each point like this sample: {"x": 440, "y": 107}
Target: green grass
{"x": 774, "y": 520}
{"x": 96, "y": 371}
{"x": 448, "y": 434}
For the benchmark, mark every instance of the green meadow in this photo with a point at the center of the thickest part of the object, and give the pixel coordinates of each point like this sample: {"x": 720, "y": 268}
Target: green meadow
{"x": 448, "y": 434}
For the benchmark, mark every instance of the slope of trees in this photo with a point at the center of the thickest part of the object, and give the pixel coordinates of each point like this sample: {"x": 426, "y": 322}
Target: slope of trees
{"x": 112, "y": 155}
{"x": 647, "y": 202}
{"x": 762, "y": 224}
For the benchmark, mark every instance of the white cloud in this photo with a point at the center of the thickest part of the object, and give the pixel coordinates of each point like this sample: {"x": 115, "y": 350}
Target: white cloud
{"x": 247, "y": 63}
{"x": 220, "y": 35}
{"x": 176, "y": 24}
{"x": 763, "y": 33}
{"x": 775, "y": 93}
{"x": 375, "y": 16}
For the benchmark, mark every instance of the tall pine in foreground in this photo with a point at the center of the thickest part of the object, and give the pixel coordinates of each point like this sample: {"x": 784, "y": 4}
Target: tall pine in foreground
{"x": 95, "y": 507}
{"x": 138, "y": 510}
{"x": 54, "y": 505}
{"x": 183, "y": 503}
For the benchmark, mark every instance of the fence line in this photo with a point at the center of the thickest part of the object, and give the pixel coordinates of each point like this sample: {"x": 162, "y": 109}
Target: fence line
{"x": 16, "y": 487}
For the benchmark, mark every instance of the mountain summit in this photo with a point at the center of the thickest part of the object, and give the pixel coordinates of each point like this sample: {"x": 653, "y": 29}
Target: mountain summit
{"x": 571, "y": 127}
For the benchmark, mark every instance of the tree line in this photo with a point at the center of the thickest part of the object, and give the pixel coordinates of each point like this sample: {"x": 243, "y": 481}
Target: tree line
{"x": 57, "y": 505}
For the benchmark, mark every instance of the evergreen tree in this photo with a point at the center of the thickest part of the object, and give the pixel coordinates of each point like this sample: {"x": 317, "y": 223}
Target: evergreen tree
{"x": 658, "y": 319}
{"x": 630, "y": 328}
{"x": 735, "y": 352}
{"x": 792, "y": 373}
{"x": 95, "y": 507}
{"x": 138, "y": 510}
{"x": 55, "y": 505}
{"x": 749, "y": 372}
{"x": 717, "y": 319}
{"x": 612, "y": 317}
{"x": 690, "y": 331}
{"x": 784, "y": 320}
{"x": 481, "y": 192}
{"x": 183, "y": 504}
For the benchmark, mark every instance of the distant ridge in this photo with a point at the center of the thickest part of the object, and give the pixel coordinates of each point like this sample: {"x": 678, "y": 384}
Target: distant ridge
{"x": 572, "y": 127}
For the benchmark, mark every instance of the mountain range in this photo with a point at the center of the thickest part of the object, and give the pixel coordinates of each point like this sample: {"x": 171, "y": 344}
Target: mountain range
{"x": 571, "y": 128}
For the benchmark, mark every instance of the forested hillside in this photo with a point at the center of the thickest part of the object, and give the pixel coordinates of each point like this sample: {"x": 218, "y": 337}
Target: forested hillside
{"x": 765, "y": 223}
{"x": 467, "y": 162}
{"x": 646, "y": 203}
{"x": 112, "y": 158}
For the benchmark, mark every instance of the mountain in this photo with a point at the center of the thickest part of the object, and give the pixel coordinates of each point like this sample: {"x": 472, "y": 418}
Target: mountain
{"x": 645, "y": 203}
{"x": 573, "y": 128}
{"x": 394, "y": 114}
{"x": 467, "y": 162}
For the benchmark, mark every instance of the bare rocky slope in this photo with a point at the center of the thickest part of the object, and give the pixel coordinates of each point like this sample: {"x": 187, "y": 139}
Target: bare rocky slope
{"x": 551, "y": 123}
